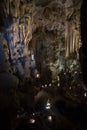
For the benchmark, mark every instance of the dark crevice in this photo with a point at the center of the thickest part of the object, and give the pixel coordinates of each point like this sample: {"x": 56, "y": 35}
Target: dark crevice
{"x": 83, "y": 49}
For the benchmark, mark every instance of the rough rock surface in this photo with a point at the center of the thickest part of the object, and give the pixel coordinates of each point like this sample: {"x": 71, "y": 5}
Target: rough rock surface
{"x": 56, "y": 33}
{"x": 49, "y": 30}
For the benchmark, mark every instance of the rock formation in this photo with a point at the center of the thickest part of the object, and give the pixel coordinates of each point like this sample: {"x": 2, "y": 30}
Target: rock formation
{"x": 49, "y": 30}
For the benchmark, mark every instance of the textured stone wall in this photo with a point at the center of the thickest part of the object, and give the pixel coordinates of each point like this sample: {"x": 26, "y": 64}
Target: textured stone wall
{"x": 48, "y": 29}
{"x": 58, "y": 23}
{"x": 17, "y": 31}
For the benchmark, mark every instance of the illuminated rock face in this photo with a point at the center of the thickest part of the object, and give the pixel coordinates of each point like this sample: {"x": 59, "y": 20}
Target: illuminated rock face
{"x": 17, "y": 31}
{"x": 55, "y": 22}
{"x": 18, "y": 35}
{"x": 59, "y": 24}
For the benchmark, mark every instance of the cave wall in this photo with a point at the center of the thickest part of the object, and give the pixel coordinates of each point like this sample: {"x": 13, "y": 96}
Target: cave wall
{"x": 58, "y": 23}
{"x": 50, "y": 30}
{"x": 17, "y": 32}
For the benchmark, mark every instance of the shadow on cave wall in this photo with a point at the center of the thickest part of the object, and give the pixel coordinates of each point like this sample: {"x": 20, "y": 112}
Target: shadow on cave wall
{"x": 83, "y": 49}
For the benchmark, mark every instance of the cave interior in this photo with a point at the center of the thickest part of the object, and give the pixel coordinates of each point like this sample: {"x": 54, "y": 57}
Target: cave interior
{"x": 43, "y": 50}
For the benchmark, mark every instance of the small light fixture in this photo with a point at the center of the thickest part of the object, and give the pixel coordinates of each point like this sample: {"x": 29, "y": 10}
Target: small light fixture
{"x": 37, "y": 75}
{"x": 50, "y": 118}
{"x": 42, "y": 86}
{"x": 48, "y": 105}
{"x": 45, "y": 85}
{"x": 70, "y": 88}
{"x": 50, "y": 84}
{"x": 32, "y": 121}
{"x": 85, "y": 94}
{"x": 58, "y": 84}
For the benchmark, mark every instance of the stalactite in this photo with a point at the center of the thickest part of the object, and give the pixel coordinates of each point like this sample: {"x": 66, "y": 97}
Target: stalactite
{"x": 29, "y": 32}
{"x": 8, "y": 7}
{"x": 23, "y": 31}
{"x": 73, "y": 41}
{"x": 69, "y": 29}
{"x": 15, "y": 33}
{"x": 66, "y": 51}
{"x": 66, "y": 36}
{"x": 71, "y": 37}
{"x": 17, "y": 11}
{"x": 77, "y": 45}
{"x": 67, "y": 39}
